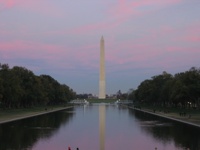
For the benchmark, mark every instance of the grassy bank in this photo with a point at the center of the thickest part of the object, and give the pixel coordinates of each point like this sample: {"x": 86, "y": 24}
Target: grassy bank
{"x": 101, "y": 100}
{"x": 15, "y": 114}
{"x": 185, "y": 114}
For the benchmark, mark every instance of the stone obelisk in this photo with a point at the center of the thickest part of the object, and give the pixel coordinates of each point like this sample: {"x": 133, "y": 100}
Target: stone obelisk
{"x": 102, "y": 83}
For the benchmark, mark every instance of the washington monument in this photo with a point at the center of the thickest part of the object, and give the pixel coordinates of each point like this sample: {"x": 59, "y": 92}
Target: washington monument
{"x": 102, "y": 83}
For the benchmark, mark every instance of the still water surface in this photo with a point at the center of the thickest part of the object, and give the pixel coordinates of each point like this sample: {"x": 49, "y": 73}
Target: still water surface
{"x": 98, "y": 127}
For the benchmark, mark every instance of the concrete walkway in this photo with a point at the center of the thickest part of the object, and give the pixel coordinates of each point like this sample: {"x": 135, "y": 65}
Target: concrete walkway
{"x": 167, "y": 117}
{"x": 34, "y": 114}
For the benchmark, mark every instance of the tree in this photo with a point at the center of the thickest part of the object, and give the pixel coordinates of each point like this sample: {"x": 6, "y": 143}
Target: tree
{"x": 144, "y": 91}
{"x": 186, "y": 87}
{"x": 1, "y": 91}
{"x": 182, "y": 88}
{"x": 19, "y": 87}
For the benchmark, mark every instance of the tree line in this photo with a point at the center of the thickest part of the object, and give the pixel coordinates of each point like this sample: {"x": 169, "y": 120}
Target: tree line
{"x": 181, "y": 89}
{"x": 21, "y": 88}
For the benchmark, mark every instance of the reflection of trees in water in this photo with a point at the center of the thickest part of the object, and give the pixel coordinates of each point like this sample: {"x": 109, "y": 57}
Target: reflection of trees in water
{"x": 166, "y": 131}
{"x": 23, "y": 134}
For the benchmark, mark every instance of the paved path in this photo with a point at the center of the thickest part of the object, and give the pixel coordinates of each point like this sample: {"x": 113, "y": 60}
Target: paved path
{"x": 163, "y": 116}
{"x": 34, "y": 114}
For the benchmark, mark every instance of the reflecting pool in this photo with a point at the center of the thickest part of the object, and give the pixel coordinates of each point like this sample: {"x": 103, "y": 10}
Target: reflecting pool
{"x": 98, "y": 127}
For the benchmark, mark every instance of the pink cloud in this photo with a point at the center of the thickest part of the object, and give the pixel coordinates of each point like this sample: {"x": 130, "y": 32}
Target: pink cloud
{"x": 193, "y": 38}
{"x": 122, "y": 11}
{"x": 192, "y": 33}
{"x": 41, "y": 7}
{"x": 10, "y": 3}
{"x": 64, "y": 57}
{"x": 149, "y": 50}
{"x": 26, "y": 46}
{"x": 94, "y": 27}
{"x": 6, "y": 4}
{"x": 182, "y": 49}
{"x": 31, "y": 50}
{"x": 125, "y": 9}
{"x": 187, "y": 34}
{"x": 134, "y": 56}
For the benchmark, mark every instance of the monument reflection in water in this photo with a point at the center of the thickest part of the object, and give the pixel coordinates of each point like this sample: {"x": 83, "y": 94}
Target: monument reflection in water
{"x": 102, "y": 126}
{"x": 98, "y": 127}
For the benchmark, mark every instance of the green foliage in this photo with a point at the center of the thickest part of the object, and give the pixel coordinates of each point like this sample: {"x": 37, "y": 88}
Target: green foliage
{"x": 101, "y": 100}
{"x": 182, "y": 89}
{"x": 20, "y": 88}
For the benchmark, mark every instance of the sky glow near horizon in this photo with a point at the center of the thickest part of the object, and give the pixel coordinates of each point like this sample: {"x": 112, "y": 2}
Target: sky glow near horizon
{"x": 62, "y": 39}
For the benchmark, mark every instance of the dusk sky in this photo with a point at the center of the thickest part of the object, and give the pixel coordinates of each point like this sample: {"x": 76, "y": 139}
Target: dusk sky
{"x": 61, "y": 38}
